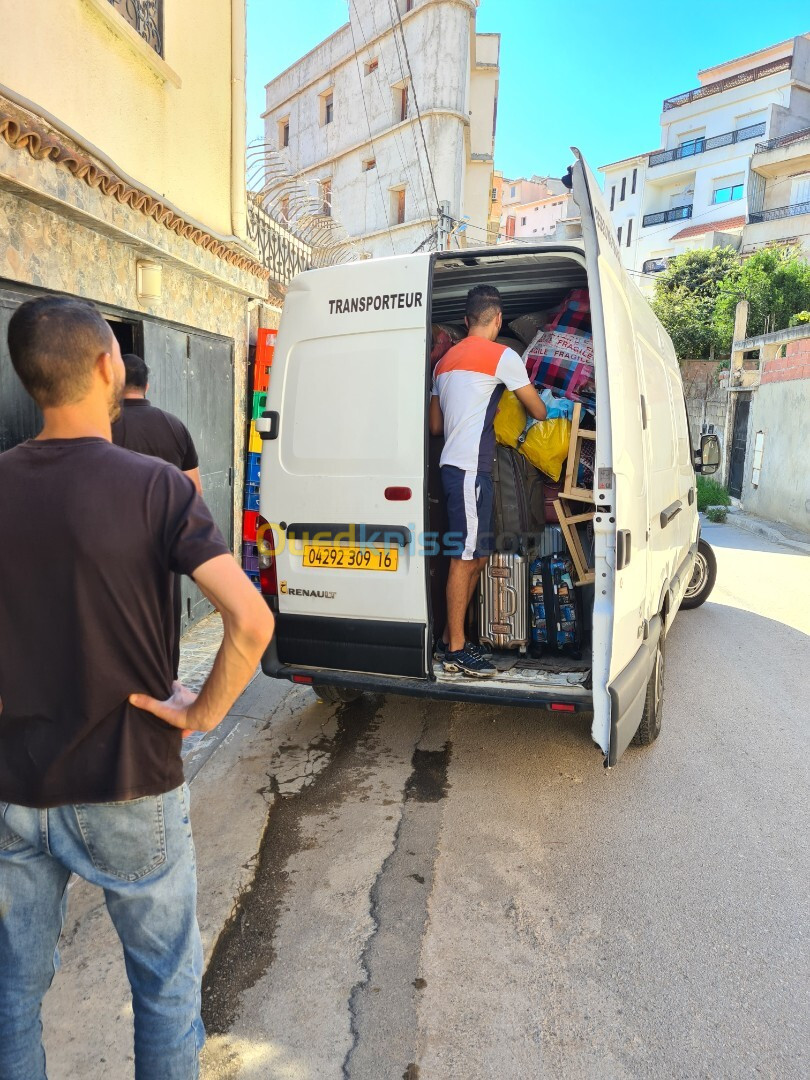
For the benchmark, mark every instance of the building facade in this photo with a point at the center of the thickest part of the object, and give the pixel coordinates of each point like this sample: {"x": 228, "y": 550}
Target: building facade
{"x": 391, "y": 118}
{"x": 699, "y": 189}
{"x": 535, "y": 210}
{"x": 122, "y": 181}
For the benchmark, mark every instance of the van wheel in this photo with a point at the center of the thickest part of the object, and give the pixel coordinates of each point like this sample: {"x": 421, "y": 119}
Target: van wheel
{"x": 703, "y": 577}
{"x": 650, "y": 727}
{"x": 336, "y": 695}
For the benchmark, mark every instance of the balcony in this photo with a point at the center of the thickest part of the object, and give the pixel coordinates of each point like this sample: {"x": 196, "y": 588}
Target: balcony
{"x": 145, "y": 17}
{"x": 701, "y": 146}
{"x": 677, "y": 213}
{"x": 785, "y": 140}
{"x": 654, "y": 266}
{"x": 727, "y": 84}
{"x": 779, "y": 212}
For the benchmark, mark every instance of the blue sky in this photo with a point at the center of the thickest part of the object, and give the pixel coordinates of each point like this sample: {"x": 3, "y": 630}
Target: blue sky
{"x": 589, "y": 74}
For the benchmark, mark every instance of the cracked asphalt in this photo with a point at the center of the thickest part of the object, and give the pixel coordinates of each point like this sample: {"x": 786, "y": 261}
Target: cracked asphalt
{"x": 446, "y": 891}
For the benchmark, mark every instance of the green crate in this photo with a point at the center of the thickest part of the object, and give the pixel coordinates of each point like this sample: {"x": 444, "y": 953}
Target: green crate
{"x": 259, "y": 404}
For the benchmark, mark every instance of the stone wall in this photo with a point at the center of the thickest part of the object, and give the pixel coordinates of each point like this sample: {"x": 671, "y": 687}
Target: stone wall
{"x": 706, "y": 397}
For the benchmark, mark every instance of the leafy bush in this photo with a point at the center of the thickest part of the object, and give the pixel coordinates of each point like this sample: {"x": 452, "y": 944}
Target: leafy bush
{"x": 711, "y": 493}
{"x": 716, "y": 514}
{"x": 775, "y": 282}
{"x": 685, "y": 297}
{"x": 800, "y": 318}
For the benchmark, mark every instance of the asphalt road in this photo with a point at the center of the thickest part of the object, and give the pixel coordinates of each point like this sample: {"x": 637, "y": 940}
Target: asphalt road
{"x": 464, "y": 892}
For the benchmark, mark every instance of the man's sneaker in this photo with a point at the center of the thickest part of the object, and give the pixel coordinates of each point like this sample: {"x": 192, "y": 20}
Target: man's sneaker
{"x": 467, "y": 662}
{"x": 440, "y": 650}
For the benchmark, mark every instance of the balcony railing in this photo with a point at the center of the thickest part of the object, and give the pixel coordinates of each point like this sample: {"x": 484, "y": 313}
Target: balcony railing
{"x": 280, "y": 251}
{"x": 727, "y": 84}
{"x": 654, "y": 266}
{"x": 145, "y": 16}
{"x": 784, "y": 140}
{"x": 701, "y": 146}
{"x": 677, "y": 213}
{"x": 779, "y": 212}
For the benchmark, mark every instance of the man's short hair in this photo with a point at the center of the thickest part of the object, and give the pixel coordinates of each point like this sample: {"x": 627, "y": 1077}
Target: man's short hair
{"x": 54, "y": 342}
{"x": 137, "y": 371}
{"x": 483, "y": 304}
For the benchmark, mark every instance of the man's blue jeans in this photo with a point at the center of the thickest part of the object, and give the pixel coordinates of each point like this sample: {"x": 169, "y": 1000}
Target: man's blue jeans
{"x": 142, "y": 855}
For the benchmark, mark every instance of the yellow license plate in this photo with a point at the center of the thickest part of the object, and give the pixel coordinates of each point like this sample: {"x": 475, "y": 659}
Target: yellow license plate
{"x": 350, "y": 557}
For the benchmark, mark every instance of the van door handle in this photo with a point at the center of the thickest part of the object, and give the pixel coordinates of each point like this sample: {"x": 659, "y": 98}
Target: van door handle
{"x": 691, "y": 495}
{"x": 267, "y": 425}
{"x": 622, "y": 548}
{"x": 671, "y": 511}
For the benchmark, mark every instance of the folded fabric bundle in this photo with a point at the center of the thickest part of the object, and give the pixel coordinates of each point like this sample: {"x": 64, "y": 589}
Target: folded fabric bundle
{"x": 561, "y": 356}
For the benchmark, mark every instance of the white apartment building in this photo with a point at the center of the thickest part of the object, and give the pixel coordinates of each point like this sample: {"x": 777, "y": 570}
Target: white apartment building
{"x": 700, "y": 189}
{"x": 388, "y": 119}
{"x": 532, "y": 208}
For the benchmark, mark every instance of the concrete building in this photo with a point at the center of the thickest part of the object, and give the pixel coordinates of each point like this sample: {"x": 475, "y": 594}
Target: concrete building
{"x": 696, "y": 191}
{"x": 391, "y": 117}
{"x": 534, "y": 212}
{"x": 779, "y": 193}
{"x": 122, "y": 181}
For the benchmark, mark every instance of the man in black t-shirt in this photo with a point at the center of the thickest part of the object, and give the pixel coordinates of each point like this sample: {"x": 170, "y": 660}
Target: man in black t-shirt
{"x": 149, "y": 430}
{"x": 91, "y": 778}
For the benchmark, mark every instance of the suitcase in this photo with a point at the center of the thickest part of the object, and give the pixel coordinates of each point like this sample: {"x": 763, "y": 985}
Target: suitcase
{"x": 551, "y": 542}
{"x": 519, "y": 508}
{"x": 503, "y": 603}
{"x": 555, "y": 617}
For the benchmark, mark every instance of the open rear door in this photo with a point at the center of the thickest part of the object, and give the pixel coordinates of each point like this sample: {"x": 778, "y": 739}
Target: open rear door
{"x": 622, "y": 645}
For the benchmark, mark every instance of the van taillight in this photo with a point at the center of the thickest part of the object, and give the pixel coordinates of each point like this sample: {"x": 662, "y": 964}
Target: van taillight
{"x": 265, "y": 542}
{"x": 561, "y": 706}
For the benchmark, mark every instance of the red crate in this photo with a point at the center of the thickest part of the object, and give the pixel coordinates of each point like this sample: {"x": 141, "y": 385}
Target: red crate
{"x": 250, "y": 526}
{"x": 265, "y": 343}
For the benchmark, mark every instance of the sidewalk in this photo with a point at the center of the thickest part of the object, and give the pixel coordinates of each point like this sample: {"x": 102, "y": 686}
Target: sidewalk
{"x": 775, "y": 531}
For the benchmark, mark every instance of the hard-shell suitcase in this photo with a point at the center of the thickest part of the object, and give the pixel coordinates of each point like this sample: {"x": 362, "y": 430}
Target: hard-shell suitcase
{"x": 555, "y": 617}
{"x": 519, "y": 509}
{"x": 503, "y": 602}
{"x": 551, "y": 542}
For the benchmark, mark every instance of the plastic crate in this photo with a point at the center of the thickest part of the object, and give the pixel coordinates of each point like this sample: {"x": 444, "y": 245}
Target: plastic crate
{"x": 254, "y": 439}
{"x": 249, "y": 564}
{"x": 253, "y": 575}
{"x": 261, "y": 375}
{"x": 265, "y": 343}
{"x": 253, "y": 468}
{"x": 251, "y": 501}
{"x": 250, "y": 526}
{"x": 259, "y": 404}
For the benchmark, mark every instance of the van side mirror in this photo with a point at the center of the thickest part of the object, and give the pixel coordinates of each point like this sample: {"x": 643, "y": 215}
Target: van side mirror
{"x": 707, "y": 458}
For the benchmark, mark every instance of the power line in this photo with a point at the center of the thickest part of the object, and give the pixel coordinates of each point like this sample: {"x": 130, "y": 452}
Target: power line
{"x": 371, "y": 140}
{"x": 395, "y": 9}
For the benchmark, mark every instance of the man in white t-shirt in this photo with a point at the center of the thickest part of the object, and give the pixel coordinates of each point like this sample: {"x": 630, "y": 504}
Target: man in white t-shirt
{"x": 467, "y": 385}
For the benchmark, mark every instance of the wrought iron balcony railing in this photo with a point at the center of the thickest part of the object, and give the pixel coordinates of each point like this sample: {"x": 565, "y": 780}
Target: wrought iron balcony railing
{"x": 779, "y": 212}
{"x": 145, "y": 16}
{"x": 701, "y": 146}
{"x": 280, "y": 251}
{"x": 677, "y": 213}
{"x": 654, "y": 266}
{"x": 783, "y": 140}
{"x": 727, "y": 84}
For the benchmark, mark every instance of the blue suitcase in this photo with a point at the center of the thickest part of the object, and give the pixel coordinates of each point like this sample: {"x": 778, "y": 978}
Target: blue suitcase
{"x": 556, "y": 625}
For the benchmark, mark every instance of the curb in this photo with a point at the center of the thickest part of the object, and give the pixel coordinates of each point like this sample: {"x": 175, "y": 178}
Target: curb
{"x": 771, "y": 532}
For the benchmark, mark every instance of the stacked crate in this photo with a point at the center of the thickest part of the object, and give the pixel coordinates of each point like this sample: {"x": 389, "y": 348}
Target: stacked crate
{"x": 265, "y": 344}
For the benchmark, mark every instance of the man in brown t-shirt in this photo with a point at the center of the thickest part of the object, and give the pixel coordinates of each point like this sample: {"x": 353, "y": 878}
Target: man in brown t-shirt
{"x": 91, "y": 778}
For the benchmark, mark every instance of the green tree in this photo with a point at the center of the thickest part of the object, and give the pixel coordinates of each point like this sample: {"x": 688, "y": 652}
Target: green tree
{"x": 685, "y": 297}
{"x": 775, "y": 282}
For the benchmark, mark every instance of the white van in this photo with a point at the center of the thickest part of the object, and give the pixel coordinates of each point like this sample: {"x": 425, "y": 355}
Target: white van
{"x": 350, "y": 492}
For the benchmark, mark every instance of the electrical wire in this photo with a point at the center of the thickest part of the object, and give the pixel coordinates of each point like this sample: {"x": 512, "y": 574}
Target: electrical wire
{"x": 371, "y": 140}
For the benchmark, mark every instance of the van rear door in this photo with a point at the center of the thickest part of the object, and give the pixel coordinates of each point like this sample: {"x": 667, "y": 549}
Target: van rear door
{"x": 621, "y": 634}
{"x": 343, "y": 477}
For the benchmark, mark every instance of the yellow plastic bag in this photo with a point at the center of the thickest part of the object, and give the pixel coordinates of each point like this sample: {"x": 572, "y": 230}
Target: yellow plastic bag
{"x": 546, "y": 446}
{"x": 510, "y": 420}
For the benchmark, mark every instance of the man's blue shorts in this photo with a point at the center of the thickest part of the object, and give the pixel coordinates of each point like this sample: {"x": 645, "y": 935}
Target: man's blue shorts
{"x": 470, "y": 512}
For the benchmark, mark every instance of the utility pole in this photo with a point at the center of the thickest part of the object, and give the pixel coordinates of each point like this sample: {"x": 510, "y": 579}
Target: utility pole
{"x": 443, "y": 231}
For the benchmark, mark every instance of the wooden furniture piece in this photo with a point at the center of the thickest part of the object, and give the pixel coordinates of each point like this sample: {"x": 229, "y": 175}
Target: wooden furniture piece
{"x": 571, "y": 518}
{"x": 570, "y": 489}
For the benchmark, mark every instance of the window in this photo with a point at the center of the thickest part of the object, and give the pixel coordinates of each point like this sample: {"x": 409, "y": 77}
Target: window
{"x": 633, "y": 185}
{"x": 284, "y": 133}
{"x": 327, "y": 108}
{"x": 326, "y": 198}
{"x": 494, "y": 194}
{"x": 523, "y": 221}
{"x": 612, "y": 196}
{"x": 688, "y": 147}
{"x": 728, "y": 193}
{"x": 512, "y": 192}
{"x": 629, "y": 231}
{"x": 369, "y": 164}
{"x": 403, "y": 103}
{"x": 371, "y": 65}
{"x": 619, "y": 234}
{"x": 624, "y": 189}
{"x": 398, "y": 205}
{"x": 800, "y": 189}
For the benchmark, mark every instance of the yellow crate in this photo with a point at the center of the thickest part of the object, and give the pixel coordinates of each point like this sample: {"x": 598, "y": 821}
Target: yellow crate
{"x": 254, "y": 440}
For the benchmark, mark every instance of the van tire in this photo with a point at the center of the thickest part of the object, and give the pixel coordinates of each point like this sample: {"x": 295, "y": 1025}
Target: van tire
{"x": 650, "y": 727}
{"x": 335, "y": 695}
{"x": 703, "y": 577}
